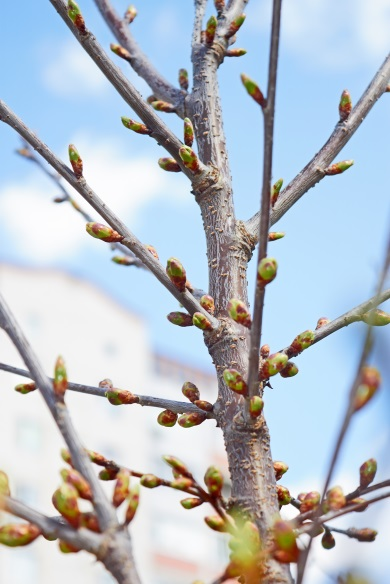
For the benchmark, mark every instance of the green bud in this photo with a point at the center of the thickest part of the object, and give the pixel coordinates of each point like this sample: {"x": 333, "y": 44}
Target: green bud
{"x": 120, "y": 52}
{"x": 274, "y": 364}
{"x": 280, "y": 468}
{"x": 328, "y": 541}
{"x": 235, "y": 53}
{"x": 201, "y": 321}
{"x": 65, "y": 501}
{"x": 163, "y": 106}
{"x": 190, "y": 159}
{"x": 216, "y": 523}
{"x": 235, "y": 25}
{"x": 190, "y": 391}
{"x": 289, "y": 370}
{"x": 122, "y": 487}
{"x": 103, "y": 232}
{"x": 135, "y": 126}
{"x": 235, "y": 381}
{"x": 130, "y": 14}
{"x": 367, "y": 472}
{"x": 76, "y": 17}
{"x": 122, "y": 260}
{"x": 309, "y": 501}
{"x": 285, "y": 545}
{"x": 190, "y": 420}
{"x": 254, "y": 90}
{"x": 345, "y": 105}
{"x": 74, "y": 478}
{"x": 191, "y": 502}
{"x": 376, "y": 317}
{"x": 323, "y": 321}
{"x": 4, "y": 484}
{"x": 275, "y": 235}
{"x": 108, "y": 474}
{"x": 121, "y": 397}
{"x": 239, "y": 312}
{"x": 25, "y": 388}
{"x": 370, "y": 381}
{"x": 211, "y": 27}
{"x": 169, "y": 164}
{"x": 283, "y": 494}
{"x": 188, "y": 132}
{"x": 60, "y": 382}
{"x": 176, "y": 274}
{"x": 207, "y": 302}
{"x": 183, "y": 79}
{"x": 167, "y": 418}
{"x": 256, "y": 405}
{"x": 266, "y": 271}
{"x": 203, "y": 405}
{"x": 18, "y": 534}
{"x": 150, "y": 481}
{"x": 338, "y": 167}
{"x": 133, "y": 499}
{"x": 182, "y": 483}
{"x": 177, "y": 465}
{"x": 75, "y": 160}
{"x": 275, "y": 190}
{"x": 301, "y": 342}
{"x": 214, "y": 481}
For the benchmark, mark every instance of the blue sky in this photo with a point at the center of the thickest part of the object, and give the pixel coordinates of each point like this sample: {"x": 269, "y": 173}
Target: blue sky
{"x": 330, "y": 257}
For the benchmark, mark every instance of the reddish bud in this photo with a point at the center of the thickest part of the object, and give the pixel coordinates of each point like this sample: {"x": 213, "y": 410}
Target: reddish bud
{"x": 109, "y": 473}
{"x": 74, "y": 478}
{"x": 338, "y": 167}
{"x": 256, "y": 405}
{"x": 235, "y": 381}
{"x": 169, "y": 164}
{"x": 207, "y": 302}
{"x": 67, "y": 548}
{"x": 76, "y": 17}
{"x": 235, "y": 53}
{"x": 274, "y": 364}
{"x": 285, "y": 545}
{"x": 133, "y": 504}
{"x": 120, "y": 52}
{"x": 167, "y": 418}
{"x": 90, "y": 521}
{"x": 345, "y": 105}
{"x": 366, "y": 534}
{"x": 103, "y": 232}
{"x": 180, "y": 319}
{"x": 328, "y": 541}
{"x": 95, "y": 457}
{"x": 280, "y": 468}
{"x": 190, "y": 159}
{"x": 137, "y": 127}
{"x": 190, "y": 420}
{"x": 301, "y": 342}
{"x": 266, "y": 271}
{"x": 60, "y": 382}
{"x": 214, "y": 481}
{"x": 122, "y": 487}
{"x": 190, "y": 391}
{"x": 265, "y": 351}
{"x": 75, "y": 160}
{"x": 367, "y": 472}
{"x": 150, "y": 481}
{"x": 253, "y": 89}
{"x": 283, "y": 494}
{"x": 370, "y": 381}
{"x": 203, "y": 405}
{"x": 188, "y": 132}
{"x": 275, "y": 190}
{"x": 376, "y": 317}
{"x": 239, "y": 312}
{"x": 65, "y": 501}
{"x": 18, "y": 534}
{"x": 176, "y": 273}
{"x": 289, "y": 370}
{"x": 24, "y": 388}
{"x": 4, "y": 484}
{"x": 191, "y": 502}
{"x": 275, "y": 235}
{"x": 183, "y": 79}
{"x": 211, "y": 27}
{"x": 163, "y": 106}
{"x": 323, "y": 321}
{"x": 201, "y": 321}
{"x": 152, "y": 250}
{"x": 335, "y": 499}
{"x": 121, "y": 397}
{"x": 130, "y": 14}
{"x": 309, "y": 501}
{"x": 216, "y": 523}
{"x": 235, "y": 25}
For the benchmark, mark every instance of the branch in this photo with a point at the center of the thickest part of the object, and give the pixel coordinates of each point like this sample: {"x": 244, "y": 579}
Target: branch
{"x": 80, "y": 185}
{"x": 143, "y": 400}
{"x": 200, "y": 9}
{"x": 160, "y": 87}
{"x": 314, "y": 170}
{"x": 269, "y": 115}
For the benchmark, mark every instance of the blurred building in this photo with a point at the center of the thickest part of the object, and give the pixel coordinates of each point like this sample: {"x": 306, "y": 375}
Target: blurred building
{"x": 98, "y": 338}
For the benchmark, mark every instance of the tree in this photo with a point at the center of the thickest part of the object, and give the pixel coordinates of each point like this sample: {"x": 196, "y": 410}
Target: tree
{"x": 262, "y": 548}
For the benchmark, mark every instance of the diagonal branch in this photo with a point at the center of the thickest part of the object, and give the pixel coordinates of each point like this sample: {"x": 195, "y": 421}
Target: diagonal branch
{"x": 161, "y": 88}
{"x": 129, "y": 241}
{"x": 314, "y": 170}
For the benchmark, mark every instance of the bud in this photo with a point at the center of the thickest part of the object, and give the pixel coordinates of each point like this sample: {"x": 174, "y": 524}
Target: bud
{"x": 301, "y": 342}
{"x": 280, "y": 468}
{"x": 176, "y": 274}
{"x": 265, "y": 351}
{"x": 182, "y": 483}
{"x": 130, "y": 14}
{"x": 183, "y": 79}
{"x": 177, "y": 465}
{"x": 67, "y": 548}
{"x": 133, "y": 504}
{"x": 4, "y": 484}
{"x": 216, "y": 523}
{"x": 167, "y": 418}
{"x": 120, "y": 52}
{"x": 203, "y": 405}
{"x": 253, "y": 89}
{"x": 65, "y": 455}
{"x": 103, "y": 232}
{"x": 345, "y": 105}
{"x": 24, "y": 388}
{"x": 256, "y": 405}
{"x": 235, "y": 25}
{"x": 367, "y": 472}
{"x": 275, "y": 190}
{"x": 358, "y": 501}
{"x": 239, "y": 312}
{"x": 376, "y": 317}
{"x": 74, "y": 478}
{"x": 201, "y": 321}
{"x": 219, "y": 5}
{"x": 163, "y": 106}
{"x": 211, "y": 27}
{"x": 169, "y": 164}
{"x": 235, "y": 53}
{"x": 370, "y": 381}
{"x": 95, "y": 457}
{"x": 121, "y": 397}
{"x": 191, "y": 502}
{"x": 153, "y": 251}
{"x": 122, "y": 260}
{"x": 90, "y": 521}
{"x": 60, "y": 382}
{"x": 76, "y": 17}
{"x": 335, "y": 499}
{"x": 109, "y": 474}
{"x": 338, "y": 167}
{"x": 323, "y": 321}
{"x": 214, "y": 481}
{"x": 135, "y": 126}
{"x": 283, "y": 494}
{"x": 151, "y": 99}
{"x": 190, "y": 420}
{"x": 273, "y": 365}
{"x": 309, "y": 501}
{"x": 190, "y": 159}
{"x": 366, "y": 534}
{"x": 290, "y": 370}
{"x": 207, "y": 302}
{"x": 275, "y": 235}
{"x": 266, "y": 271}
{"x": 235, "y": 381}
{"x": 150, "y": 481}
{"x": 285, "y": 545}
{"x": 121, "y": 489}
{"x": 188, "y": 132}
{"x": 328, "y": 541}
{"x": 65, "y": 501}
{"x": 18, "y": 534}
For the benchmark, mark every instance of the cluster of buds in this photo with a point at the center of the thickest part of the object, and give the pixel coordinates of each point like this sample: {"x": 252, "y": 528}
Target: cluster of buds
{"x": 239, "y": 312}
{"x": 370, "y": 380}
{"x": 103, "y": 232}
{"x": 376, "y": 317}
{"x": 137, "y": 127}
{"x": 300, "y": 343}
{"x": 345, "y": 105}
{"x": 120, "y": 51}
{"x": 76, "y": 161}
{"x": 76, "y": 17}
{"x": 275, "y": 190}
{"x": 169, "y": 164}
{"x": 273, "y": 365}
{"x": 338, "y": 167}
{"x": 254, "y": 90}
{"x": 266, "y": 271}
{"x": 176, "y": 274}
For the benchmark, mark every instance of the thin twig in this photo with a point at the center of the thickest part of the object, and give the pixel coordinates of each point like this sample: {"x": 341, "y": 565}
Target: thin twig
{"x": 360, "y": 491}
{"x": 80, "y": 185}
{"x": 144, "y": 400}
{"x": 269, "y": 115}
{"x": 313, "y": 171}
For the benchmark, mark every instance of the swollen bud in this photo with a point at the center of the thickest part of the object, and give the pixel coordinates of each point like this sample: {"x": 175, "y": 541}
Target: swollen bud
{"x": 275, "y": 235}
{"x": 25, "y": 388}
{"x": 75, "y": 160}
{"x": 207, "y": 302}
{"x": 163, "y": 106}
{"x": 289, "y": 370}
{"x": 369, "y": 383}
{"x": 201, "y": 321}
{"x": 253, "y": 89}
{"x": 190, "y": 391}
{"x": 95, "y": 457}
{"x": 214, "y": 481}
{"x": 266, "y": 271}
{"x": 167, "y": 418}
{"x": 235, "y": 53}
{"x": 328, "y": 541}
{"x": 191, "y": 502}
{"x": 211, "y": 27}
{"x": 176, "y": 273}
{"x": 285, "y": 544}
{"x": 76, "y": 17}
{"x": 256, "y": 405}
{"x": 376, "y": 317}
{"x": 130, "y": 14}
{"x": 235, "y": 25}
{"x": 108, "y": 474}
{"x": 280, "y": 468}
{"x": 180, "y": 318}
{"x": 18, "y": 534}
{"x": 323, "y": 321}
{"x": 133, "y": 500}
{"x": 265, "y": 351}
{"x": 275, "y": 190}
{"x": 121, "y": 489}
{"x": 4, "y": 485}
{"x": 301, "y": 342}
{"x": 335, "y": 500}
{"x": 345, "y": 105}
{"x": 235, "y": 381}
{"x": 60, "y": 381}
{"x": 121, "y": 397}
{"x": 188, "y": 132}
{"x": 74, "y": 478}
{"x": 367, "y": 472}
{"x": 137, "y": 127}
{"x": 67, "y": 548}
{"x": 181, "y": 483}
{"x": 120, "y": 51}
{"x": 169, "y": 164}
{"x": 274, "y": 364}
{"x": 203, "y": 405}
{"x": 177, "y": 465}
{"x": 216, "y": 523}
{"x": 366, "y": 534}
{"x": 239, "y": 312}
{"x": 183, "y": 79}
{"x": 103, "y": 232}
{"x": 150, "y": 481}
{"x": 90, "y": 521}
{"x": 190, "y": 420}
{"x": 65, "y": 501}
{"x": 283, "y": 494}
{"x": 190, "y": 159}
{"x": 309, "y": 501}
{"x": 338, "y": 167}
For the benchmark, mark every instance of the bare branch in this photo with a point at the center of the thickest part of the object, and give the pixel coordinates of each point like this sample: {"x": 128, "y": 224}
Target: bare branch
{"x": 269, "y": 115}
{"x": 200, "y": 9}
{"x": 129, "y": 241}
{"x": 314, "y": 170}
{"x": 160, "y": 87}
{"x": 144, "y": 400}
